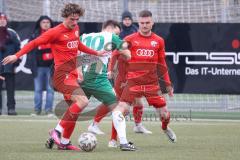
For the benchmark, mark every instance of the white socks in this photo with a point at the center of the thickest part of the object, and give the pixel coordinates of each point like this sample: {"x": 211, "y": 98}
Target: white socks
{"x": 59, "y": 128}
{"x": 65, "y": 140}
{"x": 120, "y": 125}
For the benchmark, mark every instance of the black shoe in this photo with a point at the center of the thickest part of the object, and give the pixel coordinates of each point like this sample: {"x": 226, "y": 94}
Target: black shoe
{"x": 128, "y": 147}
{"x": 50, "y": 143}
{"x": 49, "y": 114}
{"x": 12, "y": 113}
{"x": 38, "y": 112}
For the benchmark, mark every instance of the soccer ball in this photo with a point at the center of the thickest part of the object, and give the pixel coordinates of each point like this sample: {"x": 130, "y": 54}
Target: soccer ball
{"x": 87, "y": 141}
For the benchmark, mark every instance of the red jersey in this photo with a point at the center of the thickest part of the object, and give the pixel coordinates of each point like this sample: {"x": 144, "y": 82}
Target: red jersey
{"x": 64, "y": 42}
{"x": 147, "y": 54}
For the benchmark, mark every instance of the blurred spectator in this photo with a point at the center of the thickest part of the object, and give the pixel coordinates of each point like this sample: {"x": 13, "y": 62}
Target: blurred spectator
{"x": 40, "y": 61}
{"x": 9, "y": 44}
{"x": 127, "y": 25}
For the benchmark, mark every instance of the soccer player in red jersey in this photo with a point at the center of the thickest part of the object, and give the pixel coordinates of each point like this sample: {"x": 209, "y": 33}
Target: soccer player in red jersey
{"x": 65, "y": 44}
{"x": 147, "y": 60}
{"x": 117, "y": 71}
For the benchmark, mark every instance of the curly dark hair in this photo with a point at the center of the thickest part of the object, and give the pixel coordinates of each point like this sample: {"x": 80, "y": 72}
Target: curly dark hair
{"x": 72, "y": 8}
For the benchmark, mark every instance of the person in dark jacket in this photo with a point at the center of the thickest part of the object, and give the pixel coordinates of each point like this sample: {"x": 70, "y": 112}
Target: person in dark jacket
{"x": 9, "y": 44}
{"x": 127, "y": 25}
{"x": 40, "y": 61}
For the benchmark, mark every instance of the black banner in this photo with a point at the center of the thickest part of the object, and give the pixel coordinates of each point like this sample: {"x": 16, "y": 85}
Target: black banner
{"x": 202, "y": 58}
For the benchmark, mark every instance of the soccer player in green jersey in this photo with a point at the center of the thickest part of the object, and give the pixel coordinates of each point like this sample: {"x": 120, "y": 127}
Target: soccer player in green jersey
{"x": 95, "y": 79}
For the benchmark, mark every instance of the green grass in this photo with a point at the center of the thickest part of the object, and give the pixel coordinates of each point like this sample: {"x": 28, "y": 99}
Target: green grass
{"x": 23, "y": 138}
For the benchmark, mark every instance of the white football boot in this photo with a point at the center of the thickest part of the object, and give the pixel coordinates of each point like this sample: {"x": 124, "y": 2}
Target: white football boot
{"x": 112, "y": 144}
{"x": 171, "y": 135}
{"x": 139, "y": 128}
{"x": 93, "y": 127}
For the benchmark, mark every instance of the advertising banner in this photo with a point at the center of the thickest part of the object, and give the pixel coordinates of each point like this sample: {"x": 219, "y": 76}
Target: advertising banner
{"x": 202, "y": 58}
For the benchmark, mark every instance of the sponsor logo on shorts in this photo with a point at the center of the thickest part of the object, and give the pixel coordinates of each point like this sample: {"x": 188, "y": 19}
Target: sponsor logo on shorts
{"x": 145, "y": 52}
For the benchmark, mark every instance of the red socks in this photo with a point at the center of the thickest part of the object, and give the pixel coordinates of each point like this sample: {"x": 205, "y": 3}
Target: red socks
{"x": 114, "y": 133}
{"x": 101, "y": 113}
{"x": 137, "y": 113}
{"x": 165, "y": 120}
{"x": 69, "y": 120}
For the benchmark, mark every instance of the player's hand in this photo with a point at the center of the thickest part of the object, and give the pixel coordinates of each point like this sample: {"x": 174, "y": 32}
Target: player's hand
{"x": 102, "y": 53}
{"x": 9, "y": 59}
{"x": 169, "y": 91}
{"x": 110, "y": 75}
{"x": 126, "y": 53}
{"x": 2, "y": 78}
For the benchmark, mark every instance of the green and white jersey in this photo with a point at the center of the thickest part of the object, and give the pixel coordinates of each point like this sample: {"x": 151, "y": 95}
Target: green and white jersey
{"x": 95, "y": 68}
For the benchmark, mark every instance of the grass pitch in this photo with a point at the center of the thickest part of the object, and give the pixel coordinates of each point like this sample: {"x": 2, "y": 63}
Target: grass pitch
{"x": 23, "y": 138}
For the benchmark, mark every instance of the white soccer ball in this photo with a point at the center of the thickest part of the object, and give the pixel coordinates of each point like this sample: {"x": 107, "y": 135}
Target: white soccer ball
{"x": 87, "y": 141}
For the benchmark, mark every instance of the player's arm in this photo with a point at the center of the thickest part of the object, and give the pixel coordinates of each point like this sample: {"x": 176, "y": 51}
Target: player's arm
{"x": 79, "y": 65}
{"x": 163, "y": 69}
{"x": 126, "y": 53}
{"x": 79, "y": 68}
{"x": 121, "y": 46}
{"x": 45, "y": 38}
{"x": 88, "y": 50}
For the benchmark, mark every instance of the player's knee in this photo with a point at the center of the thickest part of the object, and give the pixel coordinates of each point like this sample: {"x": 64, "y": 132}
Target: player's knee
{"x": 165, "y": 116}
{"x": 112, "y": 106}
{"x": 122, "y": 107}
{"x": 138, "y": 102}
{"x": 157, "y": 102}
{"x": 82, "y": 101}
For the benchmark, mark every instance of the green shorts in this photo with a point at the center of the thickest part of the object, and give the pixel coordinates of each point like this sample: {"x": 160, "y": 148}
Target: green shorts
{"x": 102, "y": 91}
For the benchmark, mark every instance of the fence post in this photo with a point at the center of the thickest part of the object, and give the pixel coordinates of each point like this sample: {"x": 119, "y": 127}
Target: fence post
{"x": 2, "y": 6}
{"x": 224, "y": 12}
{"x": 125, "y": 5}
{"x": 46, "y": 8}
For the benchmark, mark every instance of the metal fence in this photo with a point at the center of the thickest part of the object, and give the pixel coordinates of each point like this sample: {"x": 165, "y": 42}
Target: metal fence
{"x": 174, "y": 11}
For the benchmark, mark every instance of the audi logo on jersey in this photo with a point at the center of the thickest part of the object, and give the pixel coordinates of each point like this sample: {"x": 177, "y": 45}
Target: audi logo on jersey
{"x": 72, "y": 44}
{"x": 145, "y": 52}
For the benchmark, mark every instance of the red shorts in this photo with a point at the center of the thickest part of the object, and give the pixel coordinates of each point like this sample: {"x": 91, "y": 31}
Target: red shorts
{"x": 131, "y": 92}
{"x": 65, "y": 82}
{"x": 119, "y": 86}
